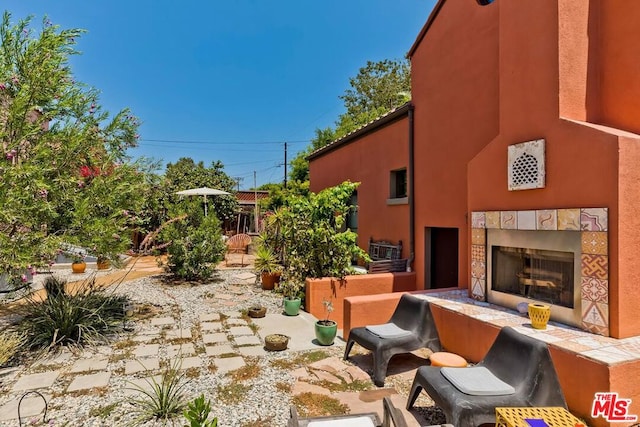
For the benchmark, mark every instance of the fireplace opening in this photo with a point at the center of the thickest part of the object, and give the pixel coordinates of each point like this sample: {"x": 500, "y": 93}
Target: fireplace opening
{"x": 540, "y": 274}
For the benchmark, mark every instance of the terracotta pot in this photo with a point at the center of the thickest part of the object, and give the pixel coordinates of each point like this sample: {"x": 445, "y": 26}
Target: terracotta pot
{"x": 269, "y": 280}
{"x": 78, "y": 267}
{"x": 103, "y": 264}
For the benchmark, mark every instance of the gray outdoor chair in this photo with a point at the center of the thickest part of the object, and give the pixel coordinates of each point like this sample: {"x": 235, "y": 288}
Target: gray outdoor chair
{"x": 410, "y": 328}
{"x": 392, "y": 417}
{"x": 516, "y": 372}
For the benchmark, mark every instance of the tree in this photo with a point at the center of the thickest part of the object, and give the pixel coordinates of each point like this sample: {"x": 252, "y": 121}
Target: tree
{"x": 57, "y": 148}
{"x": 185, "y": 174}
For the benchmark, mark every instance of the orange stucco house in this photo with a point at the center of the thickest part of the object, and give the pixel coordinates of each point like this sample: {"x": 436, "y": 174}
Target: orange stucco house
{"x": 521, "y": 147}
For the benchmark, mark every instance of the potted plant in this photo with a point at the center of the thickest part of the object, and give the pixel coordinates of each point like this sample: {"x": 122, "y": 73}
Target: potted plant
{"x": 326, "y": 330}
{"x": 292, "y": 300}
{"x": 266, "y": 263}
{"x": 78, "y": 264}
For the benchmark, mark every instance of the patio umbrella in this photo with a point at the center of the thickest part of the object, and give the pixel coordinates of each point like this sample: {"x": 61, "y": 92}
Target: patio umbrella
{"x": 202, "y": 191}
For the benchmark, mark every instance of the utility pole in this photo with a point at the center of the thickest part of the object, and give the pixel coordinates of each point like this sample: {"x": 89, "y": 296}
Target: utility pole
{"x": 255, "y": 196}
{"x": 238, "y": 179}
{"x": 285, "y": 165}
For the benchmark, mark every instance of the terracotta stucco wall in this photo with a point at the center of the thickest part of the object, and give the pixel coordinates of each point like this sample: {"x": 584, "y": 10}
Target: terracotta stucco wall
{"x": 455, "y": 93}
{"x": 370, "y": 160}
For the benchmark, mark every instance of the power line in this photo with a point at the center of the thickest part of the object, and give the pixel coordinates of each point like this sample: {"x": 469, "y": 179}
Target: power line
{"x": 180, "y": 141}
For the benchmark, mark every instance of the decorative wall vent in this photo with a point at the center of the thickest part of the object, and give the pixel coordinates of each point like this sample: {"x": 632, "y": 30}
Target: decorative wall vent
{"x": 526, "y": 165}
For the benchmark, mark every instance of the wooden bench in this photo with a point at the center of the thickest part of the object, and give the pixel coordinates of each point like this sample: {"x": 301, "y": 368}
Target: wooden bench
{"x": 386, "y": 257}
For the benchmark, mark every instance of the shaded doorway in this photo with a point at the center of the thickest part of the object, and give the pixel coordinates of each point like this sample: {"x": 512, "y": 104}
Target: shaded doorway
{"x": 441, "y": 257}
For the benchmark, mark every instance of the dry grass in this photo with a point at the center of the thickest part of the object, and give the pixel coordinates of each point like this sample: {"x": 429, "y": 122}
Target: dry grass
{"x": 284, "y": 387}
{"x": 232, "y": 393}
{"x": 316, "y": 405}
{"x": 10, "y": 343}
{"x": 245, "y": 373}
{"x": 260, "y": 422}
{"x": 301, "y": 359}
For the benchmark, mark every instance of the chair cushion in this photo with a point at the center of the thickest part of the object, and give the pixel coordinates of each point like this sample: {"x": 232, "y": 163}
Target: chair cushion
{"x": 345, "y": 422}
{"x": 477, "y": 381}
{"x": 388, "y": 330}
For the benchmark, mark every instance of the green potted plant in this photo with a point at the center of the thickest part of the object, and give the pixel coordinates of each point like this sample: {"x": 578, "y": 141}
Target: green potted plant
{"x": 291, "y": 291}
{"x": 266, "y": 264}
{"x": 326, "y": 330}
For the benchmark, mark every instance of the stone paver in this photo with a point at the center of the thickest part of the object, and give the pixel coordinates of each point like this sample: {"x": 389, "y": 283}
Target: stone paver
{"x": 146, "y": 335}
{"x": 210, "y": 317}
{"x": 238, "y": 290}
{"x": 228, "y": 364}
{"x": 30, "y": 407}
{"x": 223, "y": 296}
{"x": 86, "y": 382}
{"x": 236, "y": 322}
{"x": 252, "y": 350}
{"x": 135, "y": 387}
{"x": 232, "y": 314}
{"x": 299, "y": 373}
{"x": 216, "y": 338}
{"x": 219, "y": 349}
{"x": 244, "y": 276}
{"x": 330, "y": 364}
{"x": 326, "y": 376}
{"x": 55, "y": 359}
{"x": 34, "y": 381}
{"x": 357, "y": 373}
{"x": 178, "y": 333}
{"x": 302, "y": 387}
{"x": 146, "y": 350}
{"x": 240, "y": 330}
{"x": 92, "y": 364}
{"x": 183, "y": 349}
{"x": 187, "y": 362}
{"x": 230, "y": 303}
{"x": 133, "y": 366}
{"x": 248, "y": 340}
{"x": 210, "y": 326}
{"x": 161, "y": 321}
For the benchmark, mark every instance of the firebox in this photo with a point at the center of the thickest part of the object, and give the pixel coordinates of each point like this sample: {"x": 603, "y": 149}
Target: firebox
{"x": 535, "y": 266}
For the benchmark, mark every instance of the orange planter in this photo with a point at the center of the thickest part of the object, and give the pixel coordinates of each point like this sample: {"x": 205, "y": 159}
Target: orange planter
{"x": 78, "y": 267}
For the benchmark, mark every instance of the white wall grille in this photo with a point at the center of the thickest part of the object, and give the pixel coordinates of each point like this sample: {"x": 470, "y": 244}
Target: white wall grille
{"x": 526, "y": 165}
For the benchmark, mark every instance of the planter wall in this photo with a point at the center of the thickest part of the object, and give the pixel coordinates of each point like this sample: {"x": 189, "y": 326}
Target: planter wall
{"x": 333, "y": 289}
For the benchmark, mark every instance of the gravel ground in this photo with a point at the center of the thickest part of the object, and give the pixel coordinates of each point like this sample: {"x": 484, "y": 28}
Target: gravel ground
{"x": 265, "y": 400}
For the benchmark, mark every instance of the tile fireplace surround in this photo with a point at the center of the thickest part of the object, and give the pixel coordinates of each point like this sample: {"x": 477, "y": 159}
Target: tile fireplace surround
{"x": 592, "y": 225}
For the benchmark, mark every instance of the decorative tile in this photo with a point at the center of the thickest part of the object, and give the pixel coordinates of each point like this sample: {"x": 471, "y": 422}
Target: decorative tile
{"x": 547, "y": 219}
{"x": 594, "y": 242}
{"x": 595, "y": 266}
{"x": 526, "y": 220}
{"x": 478, "y": 252}
{"x": 477, "y": 288}
{"x": 478, "y": 236}
{"x": 492, "y": 219}
{"x": 478, "y": 269}
{"x": 568, "y": 219}
{"x": 508, "y": 220}
{"x": 593, "y": 289}
{"x": 595, "y": 314}
{"x": 477, "y": 219}
{"x": 594, "y": 219}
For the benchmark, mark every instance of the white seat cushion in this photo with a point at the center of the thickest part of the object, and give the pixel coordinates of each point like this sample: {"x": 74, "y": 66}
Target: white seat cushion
{"x": 477, "y": 381}
{"x": 346, "y": 422}
{"x": 388, "y": 330}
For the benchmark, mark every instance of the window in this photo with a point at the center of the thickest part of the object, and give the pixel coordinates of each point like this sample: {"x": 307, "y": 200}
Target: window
{"x": 398, "y": 184}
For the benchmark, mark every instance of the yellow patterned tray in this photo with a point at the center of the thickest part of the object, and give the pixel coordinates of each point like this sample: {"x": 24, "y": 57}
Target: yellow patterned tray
{"x": 553, "y": 417}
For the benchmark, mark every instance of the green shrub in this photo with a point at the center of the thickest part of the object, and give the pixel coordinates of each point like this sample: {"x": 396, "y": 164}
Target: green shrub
{"x": 86, "y": 316}
{"x": 164, "y": 401}
{"x": 195, "y": 251}
{"x": 197, "y": 413}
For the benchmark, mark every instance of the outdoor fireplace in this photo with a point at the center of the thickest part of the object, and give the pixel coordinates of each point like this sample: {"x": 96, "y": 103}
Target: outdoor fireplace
{"x": 535, "y": 266}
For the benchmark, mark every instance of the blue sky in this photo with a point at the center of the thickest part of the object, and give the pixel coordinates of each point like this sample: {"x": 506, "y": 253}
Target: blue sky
{"x": 234, "y": 79}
